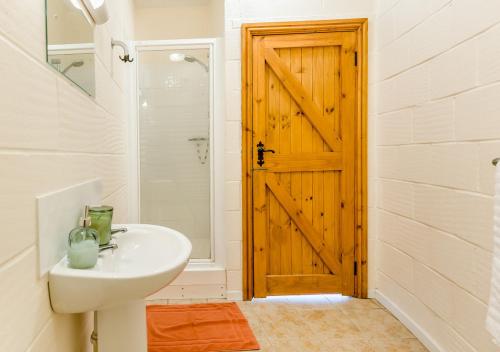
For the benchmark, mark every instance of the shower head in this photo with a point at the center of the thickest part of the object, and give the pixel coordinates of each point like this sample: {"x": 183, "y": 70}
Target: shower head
{"x": 178, "y": 57}
{"x": 73, "y": 64}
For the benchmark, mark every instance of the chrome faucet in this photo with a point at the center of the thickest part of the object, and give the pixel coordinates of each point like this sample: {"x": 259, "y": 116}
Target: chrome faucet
{"x": 104, "y": 247}
{"x": 120, "y": 229}
{"x": 110, "y": 245}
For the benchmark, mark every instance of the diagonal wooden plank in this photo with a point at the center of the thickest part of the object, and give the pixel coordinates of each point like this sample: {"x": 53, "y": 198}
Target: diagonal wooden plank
{"x": 303, "y": 99}
{"x": 305, "y": 226}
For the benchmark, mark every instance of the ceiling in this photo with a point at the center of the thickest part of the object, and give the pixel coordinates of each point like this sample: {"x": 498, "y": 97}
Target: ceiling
{"x": 168, "y": 3}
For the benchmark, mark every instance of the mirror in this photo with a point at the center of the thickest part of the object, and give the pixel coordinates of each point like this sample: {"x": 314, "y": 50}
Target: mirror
{"x": 70, "y": 42}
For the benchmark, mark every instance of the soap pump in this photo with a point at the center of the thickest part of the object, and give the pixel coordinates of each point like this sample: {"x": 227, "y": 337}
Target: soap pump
{"x": 83, "y": 244}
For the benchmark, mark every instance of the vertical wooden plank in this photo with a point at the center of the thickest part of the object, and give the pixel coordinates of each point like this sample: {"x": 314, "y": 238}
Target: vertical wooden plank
{"x": 296, "y": 147}
{"x": 272, "y": 142}
{"x": 328, "y": 179}
{"x": 259, "y": 177}
{"x": 284, "y": 137}
{"x": 337, "y": 88}
{"x": 307, "y": 186}
{"x": 348, "y": 130}
{"x": 317, "y": 146}
{"x": 338, "y": 130}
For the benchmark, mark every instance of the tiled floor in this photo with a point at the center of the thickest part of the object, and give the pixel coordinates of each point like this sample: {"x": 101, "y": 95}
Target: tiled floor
{"x": 325, "y": 323}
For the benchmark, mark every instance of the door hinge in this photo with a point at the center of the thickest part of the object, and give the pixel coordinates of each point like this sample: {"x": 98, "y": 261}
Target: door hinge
{"x": 355, "y": 268}
{"x": 355, "y": 58}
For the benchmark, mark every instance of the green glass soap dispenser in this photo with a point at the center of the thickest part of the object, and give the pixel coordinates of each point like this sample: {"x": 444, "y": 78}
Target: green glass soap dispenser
{"x": 83, "y": 244}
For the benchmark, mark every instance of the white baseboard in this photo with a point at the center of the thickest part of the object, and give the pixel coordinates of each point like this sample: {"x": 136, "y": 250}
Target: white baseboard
{"x": 416, "y": 329}
{"x": 197, "y": 281}
{"x": 190, "y": 292}
{"x": 234, "y": 295}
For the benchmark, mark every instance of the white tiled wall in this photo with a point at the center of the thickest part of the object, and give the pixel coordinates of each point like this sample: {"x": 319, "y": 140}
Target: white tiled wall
{"x": 52, "y": 136}
{"x": 437, "y": 114}
{"x": 244, "y": 11}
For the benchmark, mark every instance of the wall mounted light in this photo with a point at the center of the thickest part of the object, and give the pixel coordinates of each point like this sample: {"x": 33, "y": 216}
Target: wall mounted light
{"x": 95, "y": 10}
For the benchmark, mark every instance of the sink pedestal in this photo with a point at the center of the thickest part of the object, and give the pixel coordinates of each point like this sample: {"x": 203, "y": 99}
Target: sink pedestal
{"x": 123, "y": 328}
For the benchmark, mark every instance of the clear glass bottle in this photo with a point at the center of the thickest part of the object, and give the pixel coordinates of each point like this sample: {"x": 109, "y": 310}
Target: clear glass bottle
{"x": 83, "y": 244}
{"x": 101, "y": 217}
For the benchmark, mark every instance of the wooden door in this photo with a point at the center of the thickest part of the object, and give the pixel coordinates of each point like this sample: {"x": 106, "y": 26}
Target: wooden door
{"x": 304, "y": 91}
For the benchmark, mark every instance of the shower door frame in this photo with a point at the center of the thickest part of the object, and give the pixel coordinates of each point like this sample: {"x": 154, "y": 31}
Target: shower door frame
{"x": 217, "y": 257}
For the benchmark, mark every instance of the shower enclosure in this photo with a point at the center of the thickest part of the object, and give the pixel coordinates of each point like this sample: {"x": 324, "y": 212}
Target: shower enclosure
{"x": 175, "y": 103}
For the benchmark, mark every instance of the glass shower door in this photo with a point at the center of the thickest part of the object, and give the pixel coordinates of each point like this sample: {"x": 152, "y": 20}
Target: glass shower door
{"x": 174, "y": 142}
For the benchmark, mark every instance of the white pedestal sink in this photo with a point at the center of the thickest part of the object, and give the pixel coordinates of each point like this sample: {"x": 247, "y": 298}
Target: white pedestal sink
{"x": 148, "y": 258}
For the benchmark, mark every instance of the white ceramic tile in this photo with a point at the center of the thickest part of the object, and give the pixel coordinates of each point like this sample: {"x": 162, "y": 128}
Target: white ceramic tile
{"x": 477, "y": 114}
{"x": 234, "y": 280}
{"x": 468, "y": 22}
{"x": 233, "y": 105}
{"x": 434, "y": 122}
{"x": 421, "y": 315}
{"x": 103, "y": 132}
{"x": 232, "y": 166}
{"x": 58, "y": 214}
{"x": 233, "y": 75}
{"x": 394, "y": 57}
{"x": 24, "y": 22}
{"x": 385, "y": 29}
{"x": 396, "y": 197}
{"x": 190, "y": 276}
{"x": 232, "y": 225}
{"x": 425, "y": 45}
{"x": 467, "y": 215}
{"x": 395, "y": 128}
{"x": 233, "y": 255}
{"x": 233, "y": 45}
{"x": 488, "y": 56}
{"x": 396, "y": 264}
{"x": 232, "y": 195}
{"x": 103, "y": 49}
{"x": 25, "y": 302}
{"x": 190, "y": 292}
{"x": 461, "y": 262}
{"x": 384, "y": 92}
{"x": 447, "y": 73}
{"x": 260, "y": 9}
{"x": 28, "y": 116}
{"x": 487, "y": 152}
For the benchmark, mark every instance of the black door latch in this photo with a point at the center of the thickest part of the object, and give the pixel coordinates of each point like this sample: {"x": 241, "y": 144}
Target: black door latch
{"x": 260, "y": 153}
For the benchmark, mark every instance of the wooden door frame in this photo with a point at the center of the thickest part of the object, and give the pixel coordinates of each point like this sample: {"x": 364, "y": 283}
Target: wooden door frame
{"x": 248, "y": 31}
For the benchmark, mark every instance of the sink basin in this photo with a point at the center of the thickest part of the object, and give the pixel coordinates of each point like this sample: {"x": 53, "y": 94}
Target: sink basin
{"x": 148, "y": 258}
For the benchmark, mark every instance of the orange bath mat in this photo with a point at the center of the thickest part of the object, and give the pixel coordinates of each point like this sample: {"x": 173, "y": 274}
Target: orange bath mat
{"x": 198, "y": 328}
